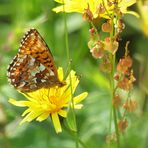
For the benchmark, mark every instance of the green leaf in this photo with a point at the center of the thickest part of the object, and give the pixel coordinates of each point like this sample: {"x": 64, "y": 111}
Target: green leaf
{"x": 71, "y": 120}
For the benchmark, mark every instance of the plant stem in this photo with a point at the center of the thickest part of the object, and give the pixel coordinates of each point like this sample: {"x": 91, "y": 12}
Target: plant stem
{"x": 112, "y": 59}
{"x": 114, "y": 109}
{"x": 116, "y": 127}
{"x": 69, "y": 68}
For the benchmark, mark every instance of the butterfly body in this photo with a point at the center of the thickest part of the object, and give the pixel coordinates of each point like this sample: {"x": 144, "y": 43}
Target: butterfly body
{"x": 33, "y": 67}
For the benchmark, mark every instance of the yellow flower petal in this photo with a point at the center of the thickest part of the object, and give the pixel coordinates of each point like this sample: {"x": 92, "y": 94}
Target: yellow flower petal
{"x": 126, "y": 3}
{"x": 31, "y": 95}
{"x": 133, "y": 13}
{"x": 81, "y": 5}
{"x": 43, "y": 116}
{"x": 62, "y": 113}
{"x": 56, "y": 122}
{"x": 143, "y": 10}
{"x": 80, "y": 97}
{"x": 23, "y": 103}
{"x": 52, "y": 91}
{"x": 60, "y": 74}
{"x": 59, "y": 1}
{"x": 73, "y": 80}
{"x": 78, "y": 106}
{"x": 26, "y": 111}
{"x": 31, "y": 116}
{"x": 17, "y": 103}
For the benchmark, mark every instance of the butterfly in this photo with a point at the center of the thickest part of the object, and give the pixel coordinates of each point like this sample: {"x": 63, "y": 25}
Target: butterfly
{"x": 33, "y": 67}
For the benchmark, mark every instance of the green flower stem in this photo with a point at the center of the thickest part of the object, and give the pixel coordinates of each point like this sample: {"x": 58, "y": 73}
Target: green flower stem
{"x": 110, "y": 120}
{"x": 84, "y": 145}
{"x": 112, "y": 95}
{"x": 69, "y": 68}
{"x": 116, "y": 127}
{"x": 113, "y": 89}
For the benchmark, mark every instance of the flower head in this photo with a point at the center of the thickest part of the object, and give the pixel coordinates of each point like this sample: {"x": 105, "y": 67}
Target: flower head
{"x": 143, "y": 9}
{"x": 98, "y": 8}
{"x": 52, "y": 102}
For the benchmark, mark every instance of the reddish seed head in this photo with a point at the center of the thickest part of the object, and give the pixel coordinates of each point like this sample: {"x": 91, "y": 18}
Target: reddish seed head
{"x": 116, "y": 101}
{"x": 130, "y": 105}
{"x": 122, "y": 125}
{"x": 124, "y": 84}
{"x": 111, "y": 46}
{"x": 97, "y": 52}
{"x": 106, "y": 65}
{"x": 100, "y": 9}
{"x": 92, "y": 30}
{"x": 87, "y": 15}
{"x": 117, "y": 77}
{"x": 106, "y": 27}
{"x": 124, "y": 64}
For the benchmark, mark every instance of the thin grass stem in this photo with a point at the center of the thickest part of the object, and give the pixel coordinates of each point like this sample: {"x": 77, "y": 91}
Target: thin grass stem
{"x": 69, "y": 69}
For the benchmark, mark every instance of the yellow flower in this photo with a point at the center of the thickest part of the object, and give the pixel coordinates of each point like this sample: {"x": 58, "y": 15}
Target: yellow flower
{"x": 98, "y": 8}
{"x": 52, "y": 102}
{"x": 143, "y": 8}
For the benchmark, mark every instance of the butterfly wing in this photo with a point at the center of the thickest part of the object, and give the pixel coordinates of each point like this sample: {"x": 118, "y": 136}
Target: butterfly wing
{"x": 33, "y": 67}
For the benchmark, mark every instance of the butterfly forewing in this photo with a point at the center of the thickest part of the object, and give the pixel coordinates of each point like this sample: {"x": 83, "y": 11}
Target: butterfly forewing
{"x": 33, "y": 67}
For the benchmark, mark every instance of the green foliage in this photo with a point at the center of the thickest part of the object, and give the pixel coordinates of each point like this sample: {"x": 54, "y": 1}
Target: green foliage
{"x": 16, "y": 17}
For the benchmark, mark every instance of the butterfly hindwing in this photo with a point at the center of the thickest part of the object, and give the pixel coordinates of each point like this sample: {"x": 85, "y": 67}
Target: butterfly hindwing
{"x": 33, "y": 67}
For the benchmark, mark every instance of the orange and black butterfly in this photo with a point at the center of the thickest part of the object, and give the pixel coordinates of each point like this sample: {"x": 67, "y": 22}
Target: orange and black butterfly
{"x": 33, "y": 67}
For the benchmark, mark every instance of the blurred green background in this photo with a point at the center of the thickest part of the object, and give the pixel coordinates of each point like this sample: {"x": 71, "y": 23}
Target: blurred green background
{"x": 16, "y": 17}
